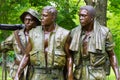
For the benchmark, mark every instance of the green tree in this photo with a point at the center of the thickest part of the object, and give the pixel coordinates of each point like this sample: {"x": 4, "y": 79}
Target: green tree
{"x": 67, "y": 13}
{"x": 113, "y": 22}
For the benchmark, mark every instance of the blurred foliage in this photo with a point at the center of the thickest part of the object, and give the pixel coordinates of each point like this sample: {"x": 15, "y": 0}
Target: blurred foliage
{"x": 67, "y": 14}
{"x": 113, "y": 22}
{"x": 12, "y": 9}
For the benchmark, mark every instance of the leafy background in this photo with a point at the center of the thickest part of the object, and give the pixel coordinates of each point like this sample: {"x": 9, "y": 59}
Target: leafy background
{"x": 10, "y": 10}
{"x": 67, "y": 14}
{"x": 113, "y": 22}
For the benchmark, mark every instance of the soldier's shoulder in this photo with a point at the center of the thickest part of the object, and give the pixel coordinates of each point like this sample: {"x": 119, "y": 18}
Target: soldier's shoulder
{"x": 104, "y": 29}
{"x": 76, "y": 29}
{"x": 38, "y": 28}
{"x": 63, "y": 30}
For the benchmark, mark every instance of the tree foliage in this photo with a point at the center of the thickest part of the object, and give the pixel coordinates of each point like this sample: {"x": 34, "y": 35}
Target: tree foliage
{"x": 11, "y": 10}
{"x": 67, "y": 14}
{"x": 113, "y": 22}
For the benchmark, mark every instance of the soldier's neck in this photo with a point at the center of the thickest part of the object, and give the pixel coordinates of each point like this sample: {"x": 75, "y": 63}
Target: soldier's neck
{"x": 49, "y": 28}
{"x": 88, "y": 28}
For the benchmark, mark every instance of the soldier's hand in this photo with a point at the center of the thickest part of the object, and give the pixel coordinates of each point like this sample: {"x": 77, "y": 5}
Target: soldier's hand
{"x": 16, "y": 77}
{"x": 118, "y": 78}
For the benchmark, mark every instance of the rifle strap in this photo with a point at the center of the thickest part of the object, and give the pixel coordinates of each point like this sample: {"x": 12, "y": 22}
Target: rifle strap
{"x": 25, "y": 49}
{"x": 19, "y": 42}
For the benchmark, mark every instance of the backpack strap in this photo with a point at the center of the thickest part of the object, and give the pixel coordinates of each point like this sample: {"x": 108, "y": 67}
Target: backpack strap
{"x": 19, "y": 42}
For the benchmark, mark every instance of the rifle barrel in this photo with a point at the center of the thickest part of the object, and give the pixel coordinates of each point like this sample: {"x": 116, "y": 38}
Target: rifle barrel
{"x": 11, "y": 26}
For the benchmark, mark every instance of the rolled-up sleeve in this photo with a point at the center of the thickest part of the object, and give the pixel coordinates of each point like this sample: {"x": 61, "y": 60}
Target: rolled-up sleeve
{"x": 109, "y": 44}
{"x": 7, "y": 44}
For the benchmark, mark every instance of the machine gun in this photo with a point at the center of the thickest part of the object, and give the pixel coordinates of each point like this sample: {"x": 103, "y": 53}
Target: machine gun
{"x": 8, "y": 27}
{"x": 11, "y": 26}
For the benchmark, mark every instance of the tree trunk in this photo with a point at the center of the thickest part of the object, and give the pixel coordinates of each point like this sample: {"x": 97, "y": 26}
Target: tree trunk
{"x": 101, "y": 9}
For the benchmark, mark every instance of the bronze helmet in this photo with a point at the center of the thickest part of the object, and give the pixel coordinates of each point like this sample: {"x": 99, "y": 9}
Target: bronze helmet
{"x": 33, "y": 13}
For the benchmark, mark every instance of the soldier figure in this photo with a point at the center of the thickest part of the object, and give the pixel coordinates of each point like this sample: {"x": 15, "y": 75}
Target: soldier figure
{"x": 48, "y": 57}
{"x": 19, "y": 41}
{"x": 91, "y": 46}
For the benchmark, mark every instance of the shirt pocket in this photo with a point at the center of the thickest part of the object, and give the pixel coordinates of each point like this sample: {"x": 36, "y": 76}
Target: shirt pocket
{"x": 59, "y": 58}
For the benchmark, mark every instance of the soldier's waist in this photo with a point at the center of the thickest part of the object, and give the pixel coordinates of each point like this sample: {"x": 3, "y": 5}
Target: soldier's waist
{"x": 45, "y": 70}
{"x": 49, "y": 68}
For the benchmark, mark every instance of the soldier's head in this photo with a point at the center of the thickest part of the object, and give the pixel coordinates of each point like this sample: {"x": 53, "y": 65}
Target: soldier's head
{"x": 49, "y": 14}
{"x": 86, "y": 15}
{"x": 90, "y": 9}
{"x": 30, "y": 18}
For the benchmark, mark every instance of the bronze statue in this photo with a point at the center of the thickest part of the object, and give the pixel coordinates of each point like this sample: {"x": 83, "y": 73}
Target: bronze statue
{"x": 48, "y": 57}
{"x": 91, "y": 45}
{"x": 20, "y": 40}
{"x": 11, "y": 26}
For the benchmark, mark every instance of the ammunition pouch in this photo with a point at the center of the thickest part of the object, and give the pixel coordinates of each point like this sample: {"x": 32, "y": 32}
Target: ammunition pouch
{"x": 100, "y": 60}
{"x": 107, "y": 66}
{"x": 59, "y": 58}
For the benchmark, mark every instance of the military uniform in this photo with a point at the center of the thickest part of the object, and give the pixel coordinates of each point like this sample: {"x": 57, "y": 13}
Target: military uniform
{"x": 90, "y": 62}
{"x": 56, "y": 57}
{"x": 11, "y": 43}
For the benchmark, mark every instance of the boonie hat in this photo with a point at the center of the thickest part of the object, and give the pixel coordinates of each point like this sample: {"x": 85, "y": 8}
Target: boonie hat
{"x": 33, "y": 13}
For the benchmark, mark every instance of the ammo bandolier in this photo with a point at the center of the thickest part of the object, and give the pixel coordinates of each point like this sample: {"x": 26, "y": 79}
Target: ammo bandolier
{"x": 92, "y": 65}
{"x": 56, "y": 57}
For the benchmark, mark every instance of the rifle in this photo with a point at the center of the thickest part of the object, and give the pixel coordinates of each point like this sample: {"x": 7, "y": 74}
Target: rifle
{"x": 8, "y": 27}
{"x": 11, "y": 26}
{"x": 4, "y": 69}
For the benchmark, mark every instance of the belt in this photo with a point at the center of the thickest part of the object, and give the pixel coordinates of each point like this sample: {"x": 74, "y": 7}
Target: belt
{"x": 48, "y": 70}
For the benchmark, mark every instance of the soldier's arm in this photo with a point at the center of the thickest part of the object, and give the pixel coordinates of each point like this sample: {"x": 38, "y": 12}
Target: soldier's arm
{"x": 69, "y": 59}
{"x": 7, "y": 44}
{"x": 24, "y": 62}
{"x": 114, "y": 64}
{"x": 113, "y": 60}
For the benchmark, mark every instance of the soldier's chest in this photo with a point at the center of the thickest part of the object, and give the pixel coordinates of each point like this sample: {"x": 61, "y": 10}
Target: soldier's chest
{"x": 46, "y": 39}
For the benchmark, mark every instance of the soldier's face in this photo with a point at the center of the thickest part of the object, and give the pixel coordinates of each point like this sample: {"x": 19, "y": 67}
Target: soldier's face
{"x": 46, "y": 18}
{"x": 29, "y": 21}
{"x": 84, "y": 17}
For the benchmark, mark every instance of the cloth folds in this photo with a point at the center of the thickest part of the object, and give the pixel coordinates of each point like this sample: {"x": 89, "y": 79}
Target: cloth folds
{"x": 96, "y": 40}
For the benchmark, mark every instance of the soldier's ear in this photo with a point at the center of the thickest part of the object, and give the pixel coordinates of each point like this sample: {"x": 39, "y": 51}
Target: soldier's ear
{"x": 53, "y": 19}
{"x": 92, "y": 19}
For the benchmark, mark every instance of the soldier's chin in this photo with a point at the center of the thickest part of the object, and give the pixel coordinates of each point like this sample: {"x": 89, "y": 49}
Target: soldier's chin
{"x": 42, "y": 25}
{"x": 82, "y": 24}
{"x": 28, "y": 27}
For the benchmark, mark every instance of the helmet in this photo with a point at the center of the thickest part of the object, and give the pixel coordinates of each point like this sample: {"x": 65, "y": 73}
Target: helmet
{"x": 33, "y": 13}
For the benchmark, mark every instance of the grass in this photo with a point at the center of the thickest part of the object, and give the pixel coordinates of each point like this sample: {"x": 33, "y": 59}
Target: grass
{"x": 110, "y": 77}
{"x": 8, "y": 78}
